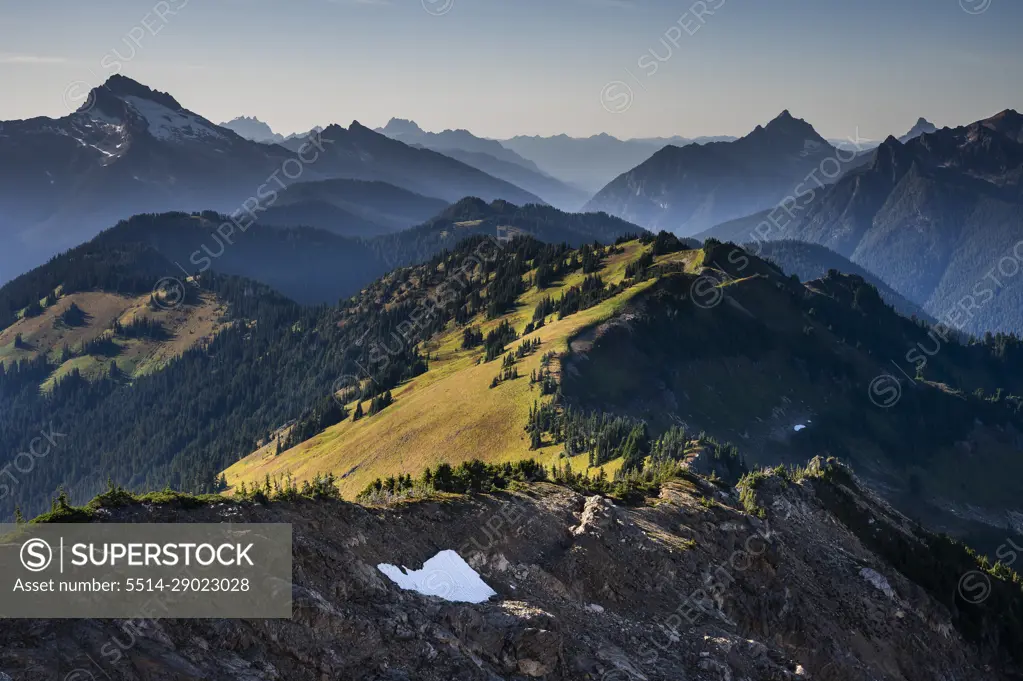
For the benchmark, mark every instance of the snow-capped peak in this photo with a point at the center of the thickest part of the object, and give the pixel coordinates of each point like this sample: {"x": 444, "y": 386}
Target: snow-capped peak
{"x": 132, "y": 107}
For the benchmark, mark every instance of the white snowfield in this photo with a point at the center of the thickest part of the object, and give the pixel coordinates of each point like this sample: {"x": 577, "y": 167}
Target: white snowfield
{"x": 166, "y": 124}
{"x": 445, "y": 575}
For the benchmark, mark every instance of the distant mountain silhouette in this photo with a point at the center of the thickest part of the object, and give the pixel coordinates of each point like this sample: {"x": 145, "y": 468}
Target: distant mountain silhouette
{"x": 362, "y": 154}
{"x": 354, "y": 208}
{"x": 472, "y": 216}
{"x": 586, "y": 162}
{"x": 591, "y": 162}
{"x": 251, "y": 128}
{"x": 921, "y": 127}
{"x": 554, "y": 192}
{"x": 130, "y": 149}
{"x": 410, "y": 133}
{"x": 307, "y": 264}
{"x": 936, "y": 218}
{"x": 490, "y": 157}
{"x": 679, "y": 141}
{"x": 689, "y": 189}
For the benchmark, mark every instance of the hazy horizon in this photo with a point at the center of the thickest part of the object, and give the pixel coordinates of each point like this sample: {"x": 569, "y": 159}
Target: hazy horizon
{"x": 628, "y": 68}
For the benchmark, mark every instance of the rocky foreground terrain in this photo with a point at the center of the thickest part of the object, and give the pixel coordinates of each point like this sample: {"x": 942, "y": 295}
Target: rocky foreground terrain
{"x": 788, "y": 577}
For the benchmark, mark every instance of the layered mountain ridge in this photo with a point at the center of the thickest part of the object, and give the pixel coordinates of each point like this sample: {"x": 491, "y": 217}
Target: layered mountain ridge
{"x": 624, "y": 369}
{"x": 130, "y": 149}
{"x": 592, "y": 162}
{"x": 950, "y": 202}
{"x": 491, "y": 157}
{"x": 689, "y": 189}
{"x": 251, "y": 128}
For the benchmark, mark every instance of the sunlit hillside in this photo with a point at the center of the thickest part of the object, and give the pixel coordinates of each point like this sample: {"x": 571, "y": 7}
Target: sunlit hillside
{"x": 450, "y": 413}
{"x": 90, "y": 331}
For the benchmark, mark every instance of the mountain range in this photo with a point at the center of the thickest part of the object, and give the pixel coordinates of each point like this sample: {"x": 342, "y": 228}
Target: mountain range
{"x": 151, "y": 264}
{"x": 921, "y": 127}
{"x": 648, "y": 330}
{"x": 428, "y": 391}
{"x": 938, "y": 218}
{"x": 491, "y": 157}
{"x": 130, "y": 149}
{"x": 622, "y": 392}
{"x": 251, "y": 128}
{"x": 688, "y": 189}
{"x": 591, "y": 162}
{"x": 354, "y": 208}
{"x": 410, "y": 133}
{"x": 307, "y": 264}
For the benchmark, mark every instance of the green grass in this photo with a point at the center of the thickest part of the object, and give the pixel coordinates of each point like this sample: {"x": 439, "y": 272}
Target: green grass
{"x": 450, "y": 413}
{"x": 748, "y": 492}
{"x": 44, "y": 335}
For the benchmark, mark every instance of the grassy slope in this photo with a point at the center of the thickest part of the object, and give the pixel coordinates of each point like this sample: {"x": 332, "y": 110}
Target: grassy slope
{"x": 185, "y": 325}
{"x": 449, "y": 413}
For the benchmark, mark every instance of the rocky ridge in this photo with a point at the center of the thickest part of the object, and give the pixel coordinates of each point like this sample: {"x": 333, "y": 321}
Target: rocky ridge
{"x": 776, "y": 580}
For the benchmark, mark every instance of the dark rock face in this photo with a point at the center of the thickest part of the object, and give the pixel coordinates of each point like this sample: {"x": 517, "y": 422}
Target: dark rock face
{"x": 675, "y": 589}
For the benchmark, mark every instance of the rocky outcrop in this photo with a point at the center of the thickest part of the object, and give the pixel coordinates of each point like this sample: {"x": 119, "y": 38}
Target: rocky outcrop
{"x": 686, "y": 586}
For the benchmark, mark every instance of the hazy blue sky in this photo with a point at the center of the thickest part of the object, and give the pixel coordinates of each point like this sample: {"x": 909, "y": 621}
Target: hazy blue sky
{"x": 505, "y": 67}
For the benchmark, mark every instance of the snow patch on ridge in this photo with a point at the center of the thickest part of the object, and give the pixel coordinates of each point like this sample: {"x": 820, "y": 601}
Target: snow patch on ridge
{"x": 445, "y": 575}
{"x": 166, "y": 124}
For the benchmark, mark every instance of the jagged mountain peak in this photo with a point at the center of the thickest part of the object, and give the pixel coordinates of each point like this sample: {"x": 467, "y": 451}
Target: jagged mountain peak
{"x": 1006, "y": 114}
{"x": 122, "y": 86}
{"x": 787, "y": 124}
{"x": 251, "y": 128}
{"x": 921, "y": 127}
{"x": 136, "y": 109}
{"x": 892, "y": 156}
{"x": 1008, "y": 122}
{"x": 694, "y": 187}
{"x": 917, "y": 202}
{"x": 361, "y": 132}
{"x": 399, "y": 126}
{"x": 786, "y": 134}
